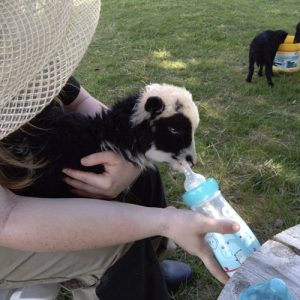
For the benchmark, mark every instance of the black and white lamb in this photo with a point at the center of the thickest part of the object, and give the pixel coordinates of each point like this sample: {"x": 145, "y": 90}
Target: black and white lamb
{"x": 155, "y": 125}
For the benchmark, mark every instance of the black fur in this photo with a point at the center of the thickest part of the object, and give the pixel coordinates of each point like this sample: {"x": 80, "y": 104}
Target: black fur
{"x": 262, "y": 51}
{"x": 297, "y": 34}
{"x": 62, "y": 139}
{"x": 155, "y": 106}
{"x": 179, "y": 125}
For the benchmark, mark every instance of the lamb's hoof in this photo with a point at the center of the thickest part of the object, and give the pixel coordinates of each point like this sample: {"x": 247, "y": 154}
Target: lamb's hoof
{"x": 248, "y": 80}
{"x": 271, "y": 84}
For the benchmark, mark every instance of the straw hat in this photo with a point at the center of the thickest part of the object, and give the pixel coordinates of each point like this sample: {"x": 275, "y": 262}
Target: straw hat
{"x": 41, "y": 44}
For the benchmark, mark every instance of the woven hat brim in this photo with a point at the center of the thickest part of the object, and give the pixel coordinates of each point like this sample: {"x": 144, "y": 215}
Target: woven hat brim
{"x": 41, "y": 44}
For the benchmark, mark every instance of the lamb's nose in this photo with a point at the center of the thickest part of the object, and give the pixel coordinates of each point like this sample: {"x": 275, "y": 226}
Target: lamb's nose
{"x": 189, "y": 159}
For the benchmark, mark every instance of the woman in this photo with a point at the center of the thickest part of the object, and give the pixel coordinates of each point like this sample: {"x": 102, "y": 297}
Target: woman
{"x": 58, "y": 240}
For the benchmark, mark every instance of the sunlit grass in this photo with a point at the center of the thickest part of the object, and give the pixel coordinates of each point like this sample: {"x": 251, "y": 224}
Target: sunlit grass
{"x": 169, "y": 64}
{"x": 249, "y": 135}
{"x": 161, "y": 54}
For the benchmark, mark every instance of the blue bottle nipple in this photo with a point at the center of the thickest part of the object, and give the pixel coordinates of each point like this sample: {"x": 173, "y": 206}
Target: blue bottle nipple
{"x": 274, "y": 289}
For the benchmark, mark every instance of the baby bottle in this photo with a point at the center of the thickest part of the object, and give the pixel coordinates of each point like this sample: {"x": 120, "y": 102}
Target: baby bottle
{"x": 203, "y": 195}
{"x": 274, "y": 289}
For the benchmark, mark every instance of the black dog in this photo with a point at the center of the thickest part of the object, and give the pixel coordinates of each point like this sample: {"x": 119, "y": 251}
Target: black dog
{"x": 297, "y": 34}
{"x": 262, "y": 51}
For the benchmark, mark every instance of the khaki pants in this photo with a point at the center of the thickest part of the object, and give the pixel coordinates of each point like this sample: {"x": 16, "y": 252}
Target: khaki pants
{"x": 78, "y": 271}
{"x": 19, "y": 269}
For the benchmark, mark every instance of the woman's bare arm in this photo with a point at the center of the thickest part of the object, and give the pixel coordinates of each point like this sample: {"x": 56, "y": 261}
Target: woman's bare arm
{"x": 74, "y": 224}
{"x": 34, "y": 224}
{"x": 86, "y": 104}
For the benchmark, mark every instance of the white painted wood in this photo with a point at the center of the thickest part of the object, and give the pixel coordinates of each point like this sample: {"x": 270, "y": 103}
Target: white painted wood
{"x": 278, "y": 257}
{"x": 289, "y": 237}
{"x": 37, "y": 292}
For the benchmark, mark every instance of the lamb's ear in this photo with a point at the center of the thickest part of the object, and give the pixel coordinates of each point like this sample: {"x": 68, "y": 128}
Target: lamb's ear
{"x": 155, "y": 106}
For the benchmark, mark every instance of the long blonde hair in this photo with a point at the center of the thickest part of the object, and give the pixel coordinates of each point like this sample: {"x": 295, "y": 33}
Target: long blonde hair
{"x": 17, "y": 173}
{"x": 9, "y": 161}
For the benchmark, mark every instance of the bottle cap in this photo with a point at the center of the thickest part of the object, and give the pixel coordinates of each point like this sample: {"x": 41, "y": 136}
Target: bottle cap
{"x": 198, "y": 195}
{"x": 274, "y": 289}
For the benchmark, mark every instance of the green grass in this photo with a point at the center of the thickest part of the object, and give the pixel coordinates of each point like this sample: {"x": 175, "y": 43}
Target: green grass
{"x": 249, "y": 136}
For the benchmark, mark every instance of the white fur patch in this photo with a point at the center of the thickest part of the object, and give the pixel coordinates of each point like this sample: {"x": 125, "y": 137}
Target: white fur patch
{"x": 176, "y": 99}
{"x": 107, "y": 146}
{"x": 156, "y": 155}
{"x": 139, "y": 159}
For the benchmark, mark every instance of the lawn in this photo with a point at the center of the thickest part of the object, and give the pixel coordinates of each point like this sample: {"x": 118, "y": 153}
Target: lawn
{"x": 249, "y": 136}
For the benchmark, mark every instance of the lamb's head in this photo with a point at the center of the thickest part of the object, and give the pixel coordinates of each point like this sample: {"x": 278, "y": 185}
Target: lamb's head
{"x": 173, "y": 118}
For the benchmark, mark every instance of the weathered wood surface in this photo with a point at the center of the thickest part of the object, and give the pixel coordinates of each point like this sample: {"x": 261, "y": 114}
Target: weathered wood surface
{"x": 278, "y": 257}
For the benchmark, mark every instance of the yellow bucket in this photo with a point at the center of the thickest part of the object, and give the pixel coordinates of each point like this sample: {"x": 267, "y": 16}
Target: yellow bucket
{"x": 287, "y": 58}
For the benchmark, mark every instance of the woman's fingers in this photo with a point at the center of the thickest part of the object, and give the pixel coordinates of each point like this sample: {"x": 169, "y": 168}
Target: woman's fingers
{"x": 212, "y": 265}
{"x": 97, "y": 180}
{"x": 80, "y": 185}
{"x": 99, "y": 158}
{"x": 221, "y": 226}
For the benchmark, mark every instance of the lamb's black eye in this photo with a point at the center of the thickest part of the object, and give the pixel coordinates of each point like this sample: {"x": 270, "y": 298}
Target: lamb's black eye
{"x": 173, "y": 130}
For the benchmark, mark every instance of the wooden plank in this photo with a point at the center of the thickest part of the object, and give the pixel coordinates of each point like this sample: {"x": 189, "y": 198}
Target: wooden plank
{"x": 273, "y": 259}
{"x": 290, "y": 237}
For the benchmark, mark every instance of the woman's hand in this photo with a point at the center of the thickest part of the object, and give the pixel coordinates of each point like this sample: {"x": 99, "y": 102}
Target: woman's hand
{"x": 187, "y": 229}
{"x": 118, "y": 175}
